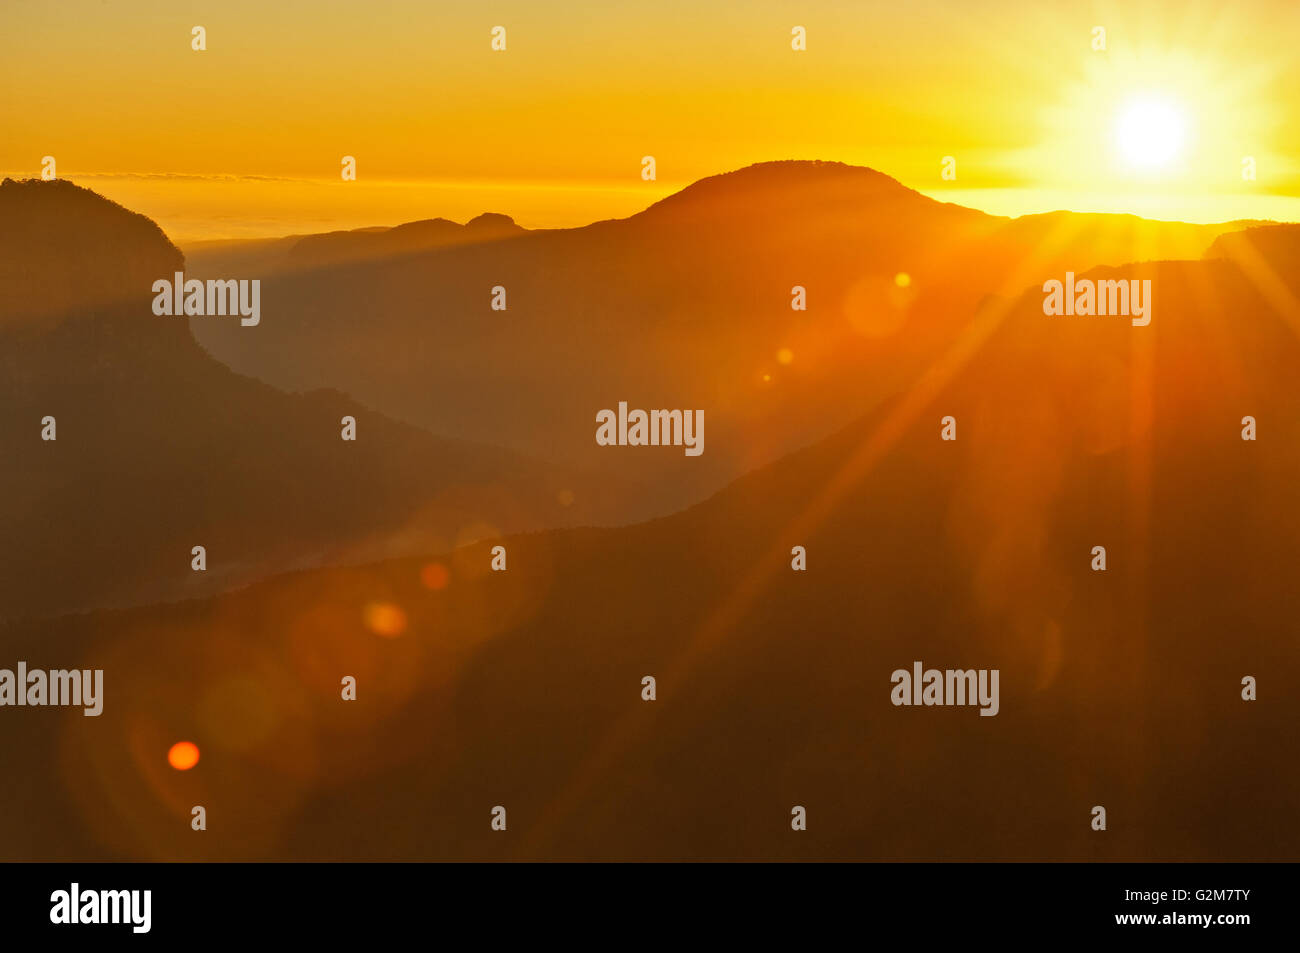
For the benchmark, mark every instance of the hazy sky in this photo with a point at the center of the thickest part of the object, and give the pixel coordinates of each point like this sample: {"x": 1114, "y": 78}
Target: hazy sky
{"x": 553, "y": 129}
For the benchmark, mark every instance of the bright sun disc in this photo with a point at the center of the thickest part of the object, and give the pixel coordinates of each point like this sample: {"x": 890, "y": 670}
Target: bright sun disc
{"x": 1150, "y": 132}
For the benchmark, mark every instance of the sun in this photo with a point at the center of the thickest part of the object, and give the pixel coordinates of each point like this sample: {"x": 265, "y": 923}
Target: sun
{"x": 1150, "y": 131}
{"x": 1159, "y": 131}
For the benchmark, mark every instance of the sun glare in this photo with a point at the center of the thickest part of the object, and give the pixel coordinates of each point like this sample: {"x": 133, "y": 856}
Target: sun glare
{"x": 1162, "y": 131}
{"x": 1150, "y": 131}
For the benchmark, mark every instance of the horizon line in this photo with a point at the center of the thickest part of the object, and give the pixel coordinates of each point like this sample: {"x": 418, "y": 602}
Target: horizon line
{"x": 998, "y": 199}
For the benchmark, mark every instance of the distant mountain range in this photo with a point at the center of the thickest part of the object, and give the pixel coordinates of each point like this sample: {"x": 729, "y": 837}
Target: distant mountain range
{"x": 687, "y": 304}
{"x": 161, "y": 448}
{"x": 327, "y": 249}
{"x": 523, "y": 688}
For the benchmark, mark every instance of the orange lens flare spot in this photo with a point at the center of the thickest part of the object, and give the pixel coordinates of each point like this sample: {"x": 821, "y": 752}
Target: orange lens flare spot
{"x": 183, "y": 755}
{"x": 435, "y": 576}
{"x": 785, "y": 355}
{"x": 386, "y": 619}
{"x": 902, "y": 279}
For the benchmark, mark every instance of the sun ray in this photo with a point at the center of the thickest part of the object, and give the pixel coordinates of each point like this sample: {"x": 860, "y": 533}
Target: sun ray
{"x": 722, "y": 621}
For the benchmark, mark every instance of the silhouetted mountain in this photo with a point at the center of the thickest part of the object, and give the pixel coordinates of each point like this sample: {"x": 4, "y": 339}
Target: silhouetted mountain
{"x": 1269, "y": 255}
{"x": 335, "y": 248}
{"x": 266, "y": 256}
{"x": 684, "y": 305}
{"x": 58, "y": 250}
{"x": 160, "y": 448}
{"x": 523, "y": 688}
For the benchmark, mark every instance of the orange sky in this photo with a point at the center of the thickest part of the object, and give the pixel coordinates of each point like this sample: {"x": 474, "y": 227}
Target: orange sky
{"x": 245, "y": 138}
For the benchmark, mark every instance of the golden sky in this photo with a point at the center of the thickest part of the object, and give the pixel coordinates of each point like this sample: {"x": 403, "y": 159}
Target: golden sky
{"x": 245, "y": 138}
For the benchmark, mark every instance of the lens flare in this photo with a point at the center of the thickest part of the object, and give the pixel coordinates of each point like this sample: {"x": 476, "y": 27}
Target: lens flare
{"x": 183, "y": 755}
{"x": 386, "y": 619}
{"x": 435, "y": 576}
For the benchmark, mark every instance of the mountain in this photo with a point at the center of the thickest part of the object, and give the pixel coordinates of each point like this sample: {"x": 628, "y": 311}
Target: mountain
{"x": 336, "y": 248}
{"x": 1120, "y": 688}
{"x": 686, "y": 305}
{"x": 59, "y": 250}
{"x": 330, "y": 249}
{"x": 1268, "y": 254}
{"x": 160, "y": 448}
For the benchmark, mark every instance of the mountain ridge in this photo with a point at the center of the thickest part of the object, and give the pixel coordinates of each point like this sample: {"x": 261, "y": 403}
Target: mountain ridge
{"x": 690, "y": 302}
{"x": 157, "y": 446}
{"x": 1119, "y": 688}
